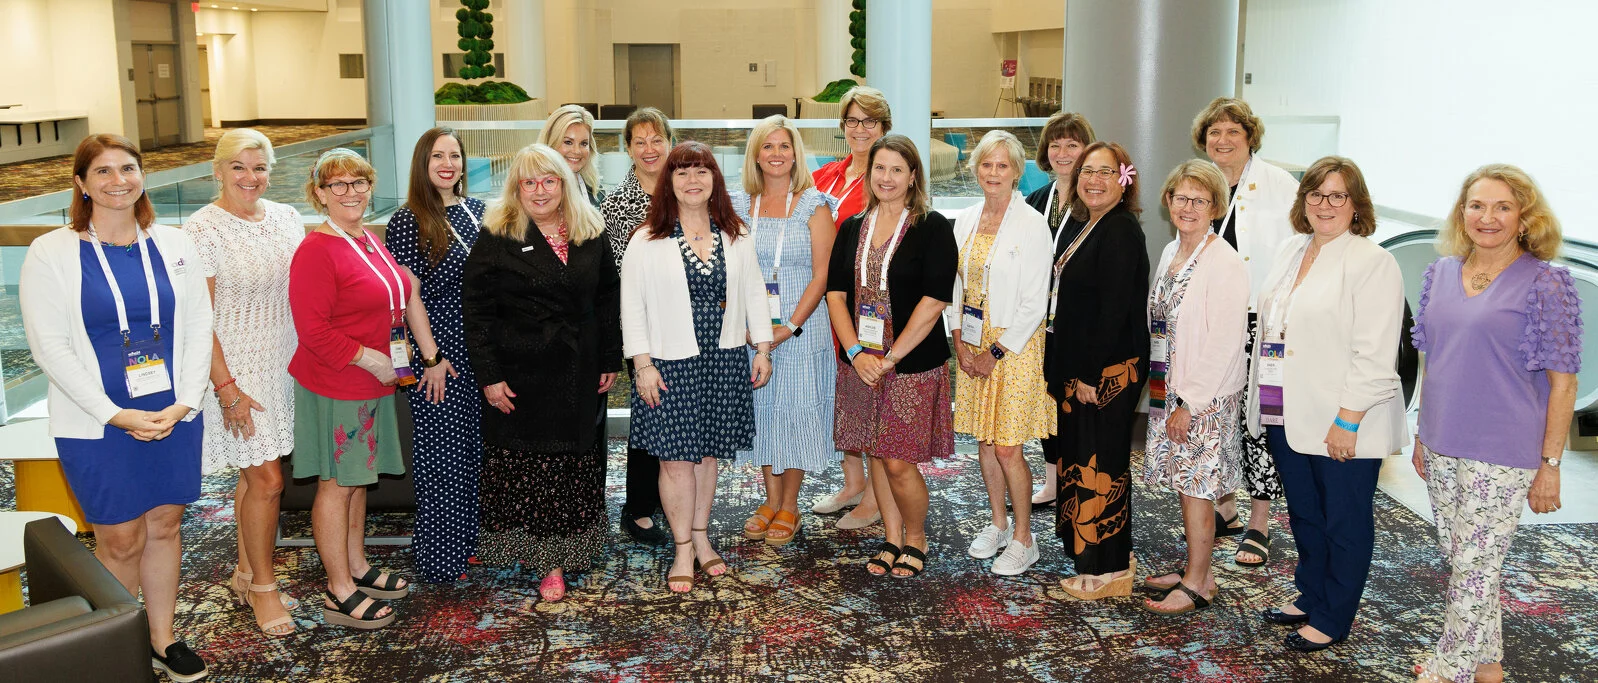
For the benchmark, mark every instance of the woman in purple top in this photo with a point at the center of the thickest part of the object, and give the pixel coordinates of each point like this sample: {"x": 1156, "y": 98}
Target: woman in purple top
{"x": 1496, "y": 320}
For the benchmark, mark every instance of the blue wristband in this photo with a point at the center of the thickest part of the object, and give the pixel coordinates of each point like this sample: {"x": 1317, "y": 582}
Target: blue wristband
{"x": 1345, "y": 424}
{"x": 854, "y": 351}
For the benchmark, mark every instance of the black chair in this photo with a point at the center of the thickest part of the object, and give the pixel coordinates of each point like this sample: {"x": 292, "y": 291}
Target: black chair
{"x": 616, "y": 112}
{"x": 389, "y": 494}
{"x": 763, "y": 110}
{"x": 82, "y": 625}
{"x": 592, "y": 107}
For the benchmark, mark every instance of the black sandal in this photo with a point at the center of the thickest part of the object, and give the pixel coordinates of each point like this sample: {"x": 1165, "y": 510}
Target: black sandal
{"x": 1162, "y": 591}
{"x": 1223, "y": 527}
{"x": 388, "y": 590}
{"x": 1199, "y": 601}
{"x": 344, "y": 612}
{"x": 913, "y": 553}
{"x": 875, "y": 561}
{"x": 1257, "y": 543}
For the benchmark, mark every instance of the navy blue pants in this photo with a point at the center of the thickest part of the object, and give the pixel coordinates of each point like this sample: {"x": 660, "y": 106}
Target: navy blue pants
{"x": 1329, "y": 505}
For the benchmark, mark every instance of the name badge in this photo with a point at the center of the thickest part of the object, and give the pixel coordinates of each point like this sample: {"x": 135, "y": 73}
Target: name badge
{"x": 1159, "y": 343}
{"x": 971, "y": 324}
{"x": 774, "y": 302}
{"x": 871, "y": 328}
{"x": 145, "y": 369}
{"x": 1273, "y": 358}
{"x": 1159, "y": 350}
{"x": 399, "y": 356}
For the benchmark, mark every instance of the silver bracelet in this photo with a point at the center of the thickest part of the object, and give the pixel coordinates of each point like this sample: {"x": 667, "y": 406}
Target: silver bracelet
{"x": 767, "y": 354}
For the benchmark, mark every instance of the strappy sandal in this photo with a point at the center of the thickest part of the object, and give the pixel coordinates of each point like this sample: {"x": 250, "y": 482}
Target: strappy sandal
{"x": 877, "y": 561}
{"x": 761, "y": 521}
{"x": 1199, "y": 601}
{"x": 1148, "y": 583}
{"x": 1223, "y": 527}
{"x": 787, "y": 524}
{"x": 390, "y": 589}
{"x": 709, "y": 567}
{"x": 242, "y": 580}
{"x": 1119, "y": 587}
{"x": 1257, "y": 543}
{"x": 681, "y": 578}
{"x": 914, "y": 553}
{"x": 343, "y": 614}
{"x": 273, "y": 627}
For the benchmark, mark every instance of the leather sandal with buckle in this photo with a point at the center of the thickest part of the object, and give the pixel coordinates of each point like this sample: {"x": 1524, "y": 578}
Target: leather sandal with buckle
{"x": 1198, "y": 601}
{"x": 885, "y": 548}
{"x": 914, "y": 553}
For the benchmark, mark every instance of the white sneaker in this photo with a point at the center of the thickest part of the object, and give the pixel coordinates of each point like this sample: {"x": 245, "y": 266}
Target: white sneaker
{"x": 988, "y": 542}
{"x": 1017, "y": 558}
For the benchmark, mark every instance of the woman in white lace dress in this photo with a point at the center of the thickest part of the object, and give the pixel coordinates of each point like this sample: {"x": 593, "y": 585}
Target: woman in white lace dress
{"x": 246, "y": 244}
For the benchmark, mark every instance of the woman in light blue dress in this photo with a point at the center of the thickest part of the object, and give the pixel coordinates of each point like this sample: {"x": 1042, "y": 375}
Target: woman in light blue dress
{"x": 791, "y": 222}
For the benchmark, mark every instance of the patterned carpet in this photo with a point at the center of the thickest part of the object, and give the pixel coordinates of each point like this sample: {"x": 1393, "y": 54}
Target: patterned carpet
{"x": 808, "y": 612}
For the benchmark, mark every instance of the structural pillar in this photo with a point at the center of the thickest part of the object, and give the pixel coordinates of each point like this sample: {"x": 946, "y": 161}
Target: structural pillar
{"x": 399, "y": 87}
{"x": 899, "y": 63}
{"x": 526, "y": 60}
{"x": 1140, "y": 70}
{"x": 832, "y": 41}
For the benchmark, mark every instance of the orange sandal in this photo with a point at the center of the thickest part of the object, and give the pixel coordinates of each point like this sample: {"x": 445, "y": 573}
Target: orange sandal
{"x": 756, "y": 526}
{"x": 782, "y": 529}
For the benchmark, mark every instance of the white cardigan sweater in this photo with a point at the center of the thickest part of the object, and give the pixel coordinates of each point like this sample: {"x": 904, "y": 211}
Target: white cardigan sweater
{"x": 1018, "y": 286}
{"x": 1264, "y": 199}
{"x": 52, "y": 315}
{"x": 1211, "y": 326}
{"x": 657, "y": 317}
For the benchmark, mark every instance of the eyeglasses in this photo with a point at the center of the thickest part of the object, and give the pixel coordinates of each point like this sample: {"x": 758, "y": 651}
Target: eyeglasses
{"x": 340, "y": 188}
{"x": 1102, "y": 173}
{"x": 1181, "y": 202}
{"x": 1315, "y": 198}
{"x": 852, "y": 122}
{"x": 549, "y": 183}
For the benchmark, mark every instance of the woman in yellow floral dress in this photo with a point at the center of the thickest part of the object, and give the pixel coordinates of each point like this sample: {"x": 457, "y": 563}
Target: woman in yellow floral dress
{"x": 1000, "y": 301}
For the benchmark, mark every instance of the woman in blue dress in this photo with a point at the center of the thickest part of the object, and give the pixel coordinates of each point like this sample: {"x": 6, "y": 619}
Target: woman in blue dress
{"x": 431, "y": 235}
{"x": 119, "y": 318}
{"x": 691, "y": 299}
{"x": 791, "y": 224}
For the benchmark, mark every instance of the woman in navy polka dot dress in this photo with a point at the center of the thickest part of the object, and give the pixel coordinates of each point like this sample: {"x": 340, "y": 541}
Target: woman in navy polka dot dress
{"x": 432, "y": 235}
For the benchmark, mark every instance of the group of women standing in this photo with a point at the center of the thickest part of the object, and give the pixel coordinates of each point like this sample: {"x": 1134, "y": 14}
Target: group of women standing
{"x": 1266, "y": 335}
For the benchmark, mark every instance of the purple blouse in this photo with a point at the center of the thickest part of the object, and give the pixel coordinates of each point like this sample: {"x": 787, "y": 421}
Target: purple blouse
{"x": 1485, "y": 392}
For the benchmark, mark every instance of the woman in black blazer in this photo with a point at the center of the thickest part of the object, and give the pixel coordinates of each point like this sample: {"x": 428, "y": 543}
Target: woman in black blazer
{"x": 893, "y": 399}
{"x": 543, "y": 325}
{"x": 1096, "y": 370}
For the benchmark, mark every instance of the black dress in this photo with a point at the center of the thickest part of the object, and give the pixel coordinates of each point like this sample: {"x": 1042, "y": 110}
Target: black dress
{"x": 548, "y": 330}
{"x": 1062, "y": 229}
{"x": 1100, "y": 338}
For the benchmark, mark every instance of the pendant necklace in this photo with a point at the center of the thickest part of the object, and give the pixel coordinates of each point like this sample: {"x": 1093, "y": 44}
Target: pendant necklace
{"x": 363, "y": 239}
{"x": 1479, "y": 281}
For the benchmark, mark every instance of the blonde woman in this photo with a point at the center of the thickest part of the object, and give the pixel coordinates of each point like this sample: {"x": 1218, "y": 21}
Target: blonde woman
{"x": 570, "y": 132}
{"x": 1000, "y": 297}
{"x": 791, "y": 224}
{"x": 246, "y": 244}
{"x": 542, "y": 308}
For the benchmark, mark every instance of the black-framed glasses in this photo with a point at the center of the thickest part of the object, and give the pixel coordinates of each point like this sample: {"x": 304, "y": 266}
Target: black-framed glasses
{"x": 1103, "y": 173}
{"x": 340, "y": 188}
{"x": 1316, "y": 198}
{"x": 1181, "y": 202}
{"x": 869, "y": 124}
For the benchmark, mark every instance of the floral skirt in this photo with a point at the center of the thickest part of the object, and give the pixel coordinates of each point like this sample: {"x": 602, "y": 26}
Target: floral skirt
{"x": 543, "y": 510}
{"x": 1011, "y": 404}
{"x": 905, "y": 417}
{"x": 1207, "y": 466}
{"x": 348, "y": 441}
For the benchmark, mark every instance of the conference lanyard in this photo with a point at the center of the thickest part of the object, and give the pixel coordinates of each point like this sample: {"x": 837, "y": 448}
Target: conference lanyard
{"x": 395, "y": 300}
{"x": 893, "y": 244}
{"x": 465, "y": 206}
{"x": 1059, "y": 267}
{"x": 116, "y": 290}
{"x": 846, "y": 190}
{"x": 1164, "y": 283}
{"x": 1231, "y": 209}
{"x": 754, "y": 228}
{"x": 965, "y": 249}
{"x": 1282, "y": 298}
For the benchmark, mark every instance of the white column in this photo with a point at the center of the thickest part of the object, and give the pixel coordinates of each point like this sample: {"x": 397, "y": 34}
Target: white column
{"x": 832, "y": 41}
{"x": 1140, "y": 70}
{"x": 523, "y": 44}
{"x": 899, "y": 63}
{"x": 399, "y": 86}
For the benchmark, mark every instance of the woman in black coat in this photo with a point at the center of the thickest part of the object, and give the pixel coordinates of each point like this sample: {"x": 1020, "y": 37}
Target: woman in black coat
{"x": 1096, "y": 368}
{"x": 543, "y": 325}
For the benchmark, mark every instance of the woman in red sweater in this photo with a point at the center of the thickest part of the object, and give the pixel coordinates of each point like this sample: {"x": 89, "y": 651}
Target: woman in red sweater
{"x": 352, "y": 303}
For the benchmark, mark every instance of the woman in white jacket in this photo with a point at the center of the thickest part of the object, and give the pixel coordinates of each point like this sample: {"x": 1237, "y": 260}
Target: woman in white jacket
{"x": 1000, "y": 297}
{"x": 1325, "y": 391}
{"x": 118, "y": 316}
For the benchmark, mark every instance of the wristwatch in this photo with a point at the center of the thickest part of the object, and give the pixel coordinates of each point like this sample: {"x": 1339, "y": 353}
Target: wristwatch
{"x": 795, "y": 329}
{"x": 435, "y": 360}
{"x": 1176, "y": 402}
{"x": 1551, "y": 462}
{"x": 998, "y": 353}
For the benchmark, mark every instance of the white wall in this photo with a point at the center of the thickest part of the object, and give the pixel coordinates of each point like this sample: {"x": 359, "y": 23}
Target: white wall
{"x": 296, "y": 65}
{"x": 232, "y": 56}
{"x": 1427, "y": 92}
{"x": 25, "y": 48}
{"x": 68, "y": 55}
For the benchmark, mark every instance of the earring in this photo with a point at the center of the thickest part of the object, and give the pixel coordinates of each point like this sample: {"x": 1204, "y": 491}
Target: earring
{"x": 1356, "y": 216}
{"x": 85, "y": 196}
{"x": 1523, "y": 235}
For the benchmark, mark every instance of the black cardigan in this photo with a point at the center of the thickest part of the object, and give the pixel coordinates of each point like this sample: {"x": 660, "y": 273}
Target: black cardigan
{"x": 548, "y": 331}
{"x": 923, "y": 265}
{"x": 1100, "y": 313}
{"x": 1039, "y": 199}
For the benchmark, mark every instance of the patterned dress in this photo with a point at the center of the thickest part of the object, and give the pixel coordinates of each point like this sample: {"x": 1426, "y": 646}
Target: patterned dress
{"x": 250, "y": 262}
{"x": 1011, "y": 404}
{"x": 1207, "y": 465}
{"x": 793, "y": 412}
{"x": 708, "y": 411}
{"x": 905, "y": 417}
{"x": 448, "y": 437}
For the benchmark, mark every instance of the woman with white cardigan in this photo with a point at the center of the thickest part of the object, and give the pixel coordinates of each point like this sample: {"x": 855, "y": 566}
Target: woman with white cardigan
{"x": 1001, "y": 294}
{"x": 692, "y": 296}
{"x": 1198, "y": 319}
{"x": 118, "y": 316}
{"x": 1325, "y": 392}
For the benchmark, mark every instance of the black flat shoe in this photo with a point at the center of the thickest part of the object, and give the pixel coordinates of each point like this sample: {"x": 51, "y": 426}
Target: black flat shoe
{"x": 1294, "y": 641}
{"x": 1280, "y": 618}
{"x": 179, "y": 662}
{"x": 651, "y": 536}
